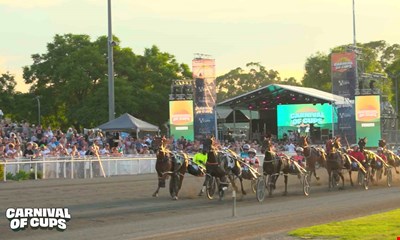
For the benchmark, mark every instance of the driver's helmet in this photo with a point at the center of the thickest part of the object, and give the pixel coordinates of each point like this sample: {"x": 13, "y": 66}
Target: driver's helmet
{"x": 354, "y": 146}
{"x": 252, "y": 150}
{"x": 299, "y": 149}
{"x": 246, "y": 147}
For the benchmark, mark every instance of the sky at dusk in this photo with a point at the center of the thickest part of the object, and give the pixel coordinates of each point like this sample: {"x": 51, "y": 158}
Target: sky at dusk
{"x": 278, "y": 34}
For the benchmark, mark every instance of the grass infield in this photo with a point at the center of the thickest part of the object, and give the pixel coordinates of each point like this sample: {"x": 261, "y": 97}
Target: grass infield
{"x": 378, "y": 226}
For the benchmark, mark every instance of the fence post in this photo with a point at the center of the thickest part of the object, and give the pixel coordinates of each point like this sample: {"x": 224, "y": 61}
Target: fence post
{"x": 109, "y": 166}
{"x": 5, "y": 172}
{"x": 17, "y": 164}
{"x": 35, "y": 170}
{"x": 57, "y": 169}
{"x": 44, "y": 168}
{"x": 234, "y": 203}
{"x": 84, "y": 167}
{"x": 91, "y": 168}
{"x": 65, "y": 167}
{"x": 72, "y": 167}
{"x": 116, "y": 167}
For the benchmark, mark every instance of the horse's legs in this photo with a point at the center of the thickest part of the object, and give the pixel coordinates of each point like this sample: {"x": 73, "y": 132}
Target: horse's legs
{"x": 286, "y": 182}
{"x": 351, "y": 180}
{"x": 232, "y": 180}
{"x": 203, "y": 188}
{"x": 274, "y": 179}
{"x": 342, "y": 177}
{"x": 315, "y": 174}
{"x": 329, "y": 179}
{"x": 241, "y": 185}
{"x": 155, "y": 194}
{"x": 180, "y": 181}
{"x": 161, "y": 183}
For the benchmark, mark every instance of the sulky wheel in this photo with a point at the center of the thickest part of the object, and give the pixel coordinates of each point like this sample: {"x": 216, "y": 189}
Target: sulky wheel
{"x": 306, "y": 184}
{"x": 211, "y": 186}
{"x": 260, "y": 189}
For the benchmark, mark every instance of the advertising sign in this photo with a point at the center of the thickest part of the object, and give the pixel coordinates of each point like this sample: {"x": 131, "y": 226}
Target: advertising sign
{"x": 343, "y": 74}
{"x": 368, "y": 119}
{"x": 205, "y": 97}
{"x": 181, "y": 119}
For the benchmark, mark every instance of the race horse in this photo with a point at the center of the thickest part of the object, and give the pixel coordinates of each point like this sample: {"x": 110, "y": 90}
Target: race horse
{"x": 313, "y": 156}
{"x": 391, "y": 157}
{"x": 334, "y": 162}
{"x": 169, "y": 164}
{"x": 218, "y": 165}
{"x": 351, "y": 163}
{"x": 232, "y": 166}
{"x": 274, "y": 165}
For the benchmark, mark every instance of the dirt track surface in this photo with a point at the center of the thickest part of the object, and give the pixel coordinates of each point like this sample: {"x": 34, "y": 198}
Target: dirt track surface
{"x": 123, "y": 208}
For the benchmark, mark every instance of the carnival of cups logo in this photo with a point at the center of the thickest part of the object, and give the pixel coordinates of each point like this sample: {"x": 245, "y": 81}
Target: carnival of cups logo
{"x": 307, "y": 115}
{"x": 44, "y": 218}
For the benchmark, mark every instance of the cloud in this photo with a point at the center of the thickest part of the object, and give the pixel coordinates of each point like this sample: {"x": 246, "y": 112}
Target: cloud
{"x": 30, "y": 3}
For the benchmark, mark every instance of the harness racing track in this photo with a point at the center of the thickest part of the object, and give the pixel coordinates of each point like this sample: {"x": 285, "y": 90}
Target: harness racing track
{"x": 123, "y": 208}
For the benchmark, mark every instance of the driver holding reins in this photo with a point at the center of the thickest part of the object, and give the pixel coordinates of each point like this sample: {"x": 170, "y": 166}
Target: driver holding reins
{"x": 357, "y": 154}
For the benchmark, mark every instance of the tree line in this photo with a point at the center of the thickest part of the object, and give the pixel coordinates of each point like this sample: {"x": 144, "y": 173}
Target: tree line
{"x": 71, "y": 80}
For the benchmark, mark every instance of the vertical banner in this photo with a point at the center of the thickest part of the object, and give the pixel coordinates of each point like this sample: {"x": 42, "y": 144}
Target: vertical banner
{"x": 346, "y": 123}
{"x": 368, "y": 118}
{"x": 343, "y": 74}
{"x": 205, "y": 97}
{"x": 181, "y": 119}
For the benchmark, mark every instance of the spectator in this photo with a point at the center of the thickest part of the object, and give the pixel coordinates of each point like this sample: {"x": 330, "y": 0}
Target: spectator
{"x": 291, "y": 147}
{"x": 145, "y": 149}
{"x": 11, "y": 152}
{"x": 28, "y": 153}
{"x": 106, "y": 150}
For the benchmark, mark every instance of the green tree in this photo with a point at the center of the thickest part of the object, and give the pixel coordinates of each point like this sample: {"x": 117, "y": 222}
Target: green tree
{"x": 317, "y": 72}
{"x": 7, "y": 91}
{"x": 71, "y": 80}
{"x": 156, "y": 70}
{"x": 239, "y": 81}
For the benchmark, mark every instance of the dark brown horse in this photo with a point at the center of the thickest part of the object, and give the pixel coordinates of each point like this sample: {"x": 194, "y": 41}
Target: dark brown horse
{"x": 391, "y": 157}
{"x": 169, "y": 164}
{"x": 313, "y": 156}
{"x": 216, "y": 166}
{"x": 334, "y": 162}
{"x": 274, "y": 165}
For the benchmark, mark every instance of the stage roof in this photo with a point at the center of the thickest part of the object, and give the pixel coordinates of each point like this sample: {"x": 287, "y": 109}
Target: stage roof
{"x": 268, "y": 97}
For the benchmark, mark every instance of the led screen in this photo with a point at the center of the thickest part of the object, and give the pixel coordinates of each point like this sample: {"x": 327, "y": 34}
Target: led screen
{"x": 368, "y": 119}
{"x": 181, "y": 119}
{"x": 301, "y": 117}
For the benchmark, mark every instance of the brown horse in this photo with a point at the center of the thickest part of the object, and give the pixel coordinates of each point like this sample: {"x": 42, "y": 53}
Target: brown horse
{"x": 274, "y": 165}
{"x": 216, "y": 166}
{"x": 391, "y": 157}
{"x": 334, "y": 162}
{"x": 169, "y": 164}
{"x": 312, "y": 155}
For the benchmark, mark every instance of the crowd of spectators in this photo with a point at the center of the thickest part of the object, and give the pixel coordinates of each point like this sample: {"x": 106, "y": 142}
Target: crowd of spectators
{"x": 28, "y": 140}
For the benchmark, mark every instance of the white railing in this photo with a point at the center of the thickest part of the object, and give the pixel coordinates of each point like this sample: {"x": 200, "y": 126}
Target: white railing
{"x": 86, "y": 167}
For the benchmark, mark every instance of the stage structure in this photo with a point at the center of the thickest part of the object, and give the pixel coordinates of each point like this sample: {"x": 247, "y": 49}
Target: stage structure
{"x": 205, "y": 122}
{"x": 361, "y": 89}
{"x": 374, "y": 84}
{"x": 181, "y": 109}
